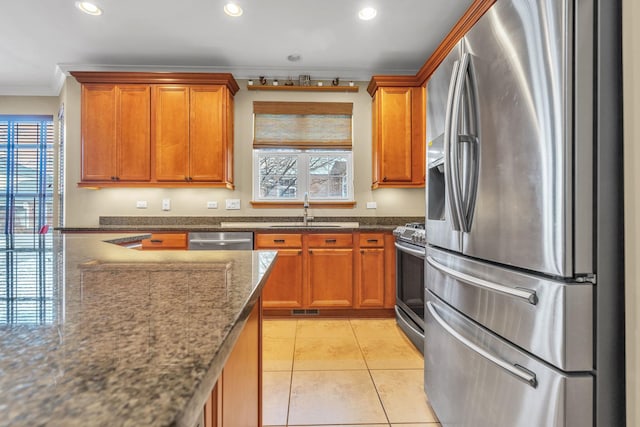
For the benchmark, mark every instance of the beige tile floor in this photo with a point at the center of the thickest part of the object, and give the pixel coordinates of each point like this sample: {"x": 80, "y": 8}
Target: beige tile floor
{"x": 342, "y": 373}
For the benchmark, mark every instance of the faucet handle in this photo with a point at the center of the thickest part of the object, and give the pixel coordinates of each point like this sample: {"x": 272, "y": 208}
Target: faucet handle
{"x": 306, "y": 199}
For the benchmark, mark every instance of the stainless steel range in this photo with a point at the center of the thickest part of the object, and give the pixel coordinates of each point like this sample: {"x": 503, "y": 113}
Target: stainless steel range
{"x": 410, "y": 254}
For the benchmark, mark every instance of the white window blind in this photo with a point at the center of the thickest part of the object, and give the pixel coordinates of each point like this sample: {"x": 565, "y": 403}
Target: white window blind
{"x": 26, "y": 173}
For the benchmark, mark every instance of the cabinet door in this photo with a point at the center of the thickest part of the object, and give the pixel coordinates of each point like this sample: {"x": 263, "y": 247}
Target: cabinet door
{"x": 330, "y": 277}
{"x": 98, "y": 132}
{"x": 241, "y": 381}
{"x": 207, "y": 132}
{"x": 171, "y": 126}
{"x": 284, "y": 286}
{"x": 133, "y": 133}
{"x": 371, "y": 274}
{"x": 395, "y": 135}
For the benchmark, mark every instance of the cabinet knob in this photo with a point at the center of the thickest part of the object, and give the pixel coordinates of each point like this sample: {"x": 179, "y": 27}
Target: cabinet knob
{"x": 384, "y": 179}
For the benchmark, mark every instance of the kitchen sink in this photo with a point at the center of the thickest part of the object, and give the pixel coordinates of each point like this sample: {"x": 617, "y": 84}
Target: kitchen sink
{"x": 293, "y": 224}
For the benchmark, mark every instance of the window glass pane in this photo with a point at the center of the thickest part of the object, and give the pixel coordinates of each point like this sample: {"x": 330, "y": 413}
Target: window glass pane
{"x": 278, "y": 176}
{"x": 328, "y": 177}
{"x": 26, "y": 173}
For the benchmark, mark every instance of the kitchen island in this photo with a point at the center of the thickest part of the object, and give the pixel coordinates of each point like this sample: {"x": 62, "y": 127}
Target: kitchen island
{"x": 95, "y": 334}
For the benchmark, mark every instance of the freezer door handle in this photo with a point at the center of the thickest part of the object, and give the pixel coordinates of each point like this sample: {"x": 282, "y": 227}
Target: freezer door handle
{"x": 530, "y": 296}
{"x": 514, "y": 369}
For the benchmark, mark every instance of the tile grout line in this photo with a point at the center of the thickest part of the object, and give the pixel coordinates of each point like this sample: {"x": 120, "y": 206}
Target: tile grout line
{"x": 370, "y": 376}
{"x": 293, "y": 358}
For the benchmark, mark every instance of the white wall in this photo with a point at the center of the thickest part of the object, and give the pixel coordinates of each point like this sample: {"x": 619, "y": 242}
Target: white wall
{"x": 85, "y": 206}
{"x": 631, "y": 61}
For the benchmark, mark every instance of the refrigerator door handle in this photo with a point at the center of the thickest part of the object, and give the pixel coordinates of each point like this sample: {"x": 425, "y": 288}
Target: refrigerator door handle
{"x": 515, "y": 370}
{"x": 448, "y": 179}
{"x": 454, "y": 139}
{"x": 471, "y": 163}
{"x": 529, "y": 296}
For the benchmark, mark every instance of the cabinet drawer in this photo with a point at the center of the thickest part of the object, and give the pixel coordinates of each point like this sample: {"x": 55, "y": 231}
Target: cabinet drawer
{"x": 165, "y": 241}
{"x": 278, "y": 241}
{"x": 330, "y": 240}
{"x": 371, "y": 240}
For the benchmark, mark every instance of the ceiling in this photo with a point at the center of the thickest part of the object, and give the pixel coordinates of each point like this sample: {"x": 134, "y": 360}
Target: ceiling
{"x": 45, "y": 39}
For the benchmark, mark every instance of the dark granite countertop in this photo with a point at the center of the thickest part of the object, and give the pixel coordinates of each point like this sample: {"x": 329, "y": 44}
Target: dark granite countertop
{"x": 196, "y": 223}
{"x": 95, "y": 334}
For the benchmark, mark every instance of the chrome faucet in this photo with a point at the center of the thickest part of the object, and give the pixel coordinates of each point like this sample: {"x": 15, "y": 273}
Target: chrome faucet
{"x": 305, "y": 216}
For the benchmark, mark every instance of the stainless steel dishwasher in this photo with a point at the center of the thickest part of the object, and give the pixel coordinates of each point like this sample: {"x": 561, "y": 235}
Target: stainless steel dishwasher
{"x": 221, "y": 241}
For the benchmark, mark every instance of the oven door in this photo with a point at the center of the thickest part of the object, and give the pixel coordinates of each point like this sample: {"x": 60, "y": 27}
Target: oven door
{"x": 410, "y": 291}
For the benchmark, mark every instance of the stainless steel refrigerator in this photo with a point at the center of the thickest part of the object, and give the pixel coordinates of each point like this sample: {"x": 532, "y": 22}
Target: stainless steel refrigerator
{"x": 524, "y": 267}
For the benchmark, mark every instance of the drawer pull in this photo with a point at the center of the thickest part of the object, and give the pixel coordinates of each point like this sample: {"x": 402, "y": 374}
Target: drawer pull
{"x": 156, "y": 240}
{"x": 330, "y": 240}
{"x": 278, "y": 240}
{"x": 372, "y": 240}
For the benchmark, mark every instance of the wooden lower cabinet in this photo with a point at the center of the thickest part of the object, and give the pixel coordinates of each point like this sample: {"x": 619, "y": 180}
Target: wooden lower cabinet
{"x": 370, "y": 291}
{"x": 330, "y": 270}
{"x": 284, "y": 287}
{"x": 330, "y": 273}
{"x": 236, "y": 399}
{"x": 159, "y": 241}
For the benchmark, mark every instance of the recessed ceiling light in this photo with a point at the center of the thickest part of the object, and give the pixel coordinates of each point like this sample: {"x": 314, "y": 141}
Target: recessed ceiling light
{"x": 232, "y": 9}
{"x": 89, "y": 8}
{"x": 294, "y": 57}
{"x": 367, "y": 13}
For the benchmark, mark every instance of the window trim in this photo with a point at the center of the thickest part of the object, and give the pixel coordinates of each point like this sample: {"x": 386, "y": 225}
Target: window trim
{"x": 303, "y": 180}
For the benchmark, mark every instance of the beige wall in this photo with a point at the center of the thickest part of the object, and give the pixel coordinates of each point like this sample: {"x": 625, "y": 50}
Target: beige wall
{"x": 85, "y": 206}
{"x": 631, "y": 60}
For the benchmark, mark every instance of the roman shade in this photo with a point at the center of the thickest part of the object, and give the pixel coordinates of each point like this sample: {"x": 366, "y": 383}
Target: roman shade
{"x": 302, "y": 125}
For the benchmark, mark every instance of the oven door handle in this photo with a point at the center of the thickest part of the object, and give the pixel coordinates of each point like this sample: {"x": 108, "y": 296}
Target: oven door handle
{"x": 530, "y": 296}
{"x": 420, "y": 254}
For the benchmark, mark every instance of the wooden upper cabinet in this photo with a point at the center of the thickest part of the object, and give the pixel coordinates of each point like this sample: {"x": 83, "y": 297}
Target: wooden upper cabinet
{"x": 133, "y": 133}
{"x": 171, "y": 124}
{"x": 115, "y": 133}
{"x": 398, "y": 137}
{"x": 157, "y": 129}
{"x": 207, "y": 143}
{"x": 98, "y": 118}
{"x": 191, "y": 133}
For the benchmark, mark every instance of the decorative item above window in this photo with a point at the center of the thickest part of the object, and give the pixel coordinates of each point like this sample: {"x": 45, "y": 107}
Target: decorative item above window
{"x": 321, "y": 125}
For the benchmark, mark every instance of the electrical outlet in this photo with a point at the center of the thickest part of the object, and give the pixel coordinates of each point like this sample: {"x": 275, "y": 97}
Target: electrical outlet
{"x": 372, "y": 205}
{"x": 141, "y": 204}
{"x": 166, "y": 204}
{"x": 232, "y": 204}
{"x": 212, "y": 205}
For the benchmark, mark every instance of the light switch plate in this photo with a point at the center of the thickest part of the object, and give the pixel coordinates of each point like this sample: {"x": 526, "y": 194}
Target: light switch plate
{"x": 212, "y": 205}
{"x": 232, "y": 204}
{"x": 141, "y": 204}
{"x": 166, "y": 204}
{"x": 372, "y": 205}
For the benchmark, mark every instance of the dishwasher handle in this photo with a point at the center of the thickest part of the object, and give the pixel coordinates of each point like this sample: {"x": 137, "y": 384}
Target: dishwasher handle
{"x": 221, "y": 241}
